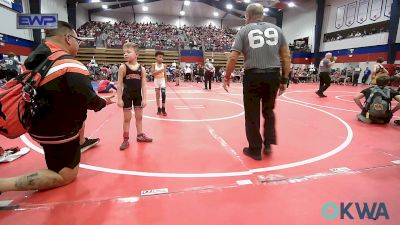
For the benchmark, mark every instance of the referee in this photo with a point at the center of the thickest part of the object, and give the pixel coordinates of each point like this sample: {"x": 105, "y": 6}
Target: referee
{"x": 265, "y": 52}
{"x": 325, "y": 67}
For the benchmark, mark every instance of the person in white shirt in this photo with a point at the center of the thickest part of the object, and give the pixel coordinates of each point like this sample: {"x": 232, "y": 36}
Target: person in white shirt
{"x": 209, "y": 72}
{"x": 188, "y": 73}
{"x": 159, "y": 71}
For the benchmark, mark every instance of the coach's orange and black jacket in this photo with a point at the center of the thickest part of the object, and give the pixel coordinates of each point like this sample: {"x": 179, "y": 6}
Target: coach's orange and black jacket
{"x": 63, "y": 101}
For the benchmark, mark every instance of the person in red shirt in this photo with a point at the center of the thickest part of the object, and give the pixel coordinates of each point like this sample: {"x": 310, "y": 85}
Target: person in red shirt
{"x": 105, "y": 86}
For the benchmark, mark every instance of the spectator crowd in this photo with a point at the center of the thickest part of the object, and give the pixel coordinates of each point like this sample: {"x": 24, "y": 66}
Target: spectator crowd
{"x": 157, "y": 36}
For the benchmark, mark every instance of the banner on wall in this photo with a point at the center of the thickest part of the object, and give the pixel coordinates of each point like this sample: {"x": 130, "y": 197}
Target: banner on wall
{"x": 7, "y": 3}
{"x": 37, "y": 21}
{"x": 362, "y": 14}
{"x": 388, "y": 7}
{"x": 376, "y": 9}
{"x": 351, "y": 13}
{"x": 357, "y": 32}
{"x": 15, "y": 5}
{"x": 340, "y": 16}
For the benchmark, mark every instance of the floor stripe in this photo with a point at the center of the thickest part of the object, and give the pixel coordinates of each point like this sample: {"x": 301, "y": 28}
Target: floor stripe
{"x": 244, "y": 182}
{"x": 397, "y": 162}
{"x": 225, "y": 146}
{"x": 5, "y": 203}
{"x": 200, "y": 120}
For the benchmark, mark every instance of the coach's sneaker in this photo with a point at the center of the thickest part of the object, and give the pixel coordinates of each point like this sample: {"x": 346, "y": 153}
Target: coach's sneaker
{"x": 164, "y": 113}
{"x": 143, "y": 138}
{"x": 397, "y": 122}
{"x": 267, "y": 150}
{"x": 159, "y": 111}
{"x": 250, "y": 154}
{"x": 124, "y": 145}
{"x": 89, "y": 143}
{"x": 319, "y": 94}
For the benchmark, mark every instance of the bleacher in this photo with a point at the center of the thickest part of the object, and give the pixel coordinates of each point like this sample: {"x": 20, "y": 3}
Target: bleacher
{"x": 146, "y": 57}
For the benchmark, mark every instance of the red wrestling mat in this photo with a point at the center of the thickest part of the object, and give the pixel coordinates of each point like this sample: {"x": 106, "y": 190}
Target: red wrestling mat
{"x": 324, "y": 155}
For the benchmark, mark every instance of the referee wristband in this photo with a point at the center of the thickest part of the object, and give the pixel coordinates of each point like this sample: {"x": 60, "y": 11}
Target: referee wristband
{"x": 284, "y": 80}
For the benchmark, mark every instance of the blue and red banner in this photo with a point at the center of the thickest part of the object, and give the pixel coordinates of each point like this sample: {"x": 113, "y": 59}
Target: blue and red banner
{"x": 13, "y": 44}
{"x": 192, "y": 56}
{"x": 364, "y": 54}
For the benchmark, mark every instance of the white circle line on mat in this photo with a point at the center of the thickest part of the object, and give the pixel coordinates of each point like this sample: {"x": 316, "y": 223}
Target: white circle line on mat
{"x": 328, "y": 154}
{"x": 198, "y": 120}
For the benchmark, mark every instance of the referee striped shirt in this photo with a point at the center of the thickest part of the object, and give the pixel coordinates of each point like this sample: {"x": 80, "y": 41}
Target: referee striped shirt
{"x": 259, "y": 42}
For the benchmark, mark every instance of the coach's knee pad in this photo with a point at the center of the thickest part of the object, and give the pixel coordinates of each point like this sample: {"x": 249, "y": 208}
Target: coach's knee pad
{"x": 163, "y": 95}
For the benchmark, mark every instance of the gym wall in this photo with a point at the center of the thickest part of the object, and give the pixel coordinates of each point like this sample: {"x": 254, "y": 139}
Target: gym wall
{"x": 299, "y": 22}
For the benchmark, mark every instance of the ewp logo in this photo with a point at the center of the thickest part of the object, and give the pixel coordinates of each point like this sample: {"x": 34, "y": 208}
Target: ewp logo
{"x": 330, "y": 210}
{"x": 37, "y": 21}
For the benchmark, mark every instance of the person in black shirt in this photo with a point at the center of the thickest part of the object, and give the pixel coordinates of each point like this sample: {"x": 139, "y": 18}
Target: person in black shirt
{"x": 11, "y": 66}
{"x": 132, "y": 91}
{"x": 382, "y": 83}
{"x": 63, "y": 104}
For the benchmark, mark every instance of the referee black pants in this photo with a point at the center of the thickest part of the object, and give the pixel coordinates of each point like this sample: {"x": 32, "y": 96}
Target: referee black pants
{"x": 324, "y": 81}
{"x": 355, "y": 79}
{"x": 260, "y": 88}
{"x": 208, "y": 77}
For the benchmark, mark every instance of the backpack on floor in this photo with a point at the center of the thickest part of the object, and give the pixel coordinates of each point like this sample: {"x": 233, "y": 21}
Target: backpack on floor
{"x": 18, "y": 98}
{"x": 378, "y": 104}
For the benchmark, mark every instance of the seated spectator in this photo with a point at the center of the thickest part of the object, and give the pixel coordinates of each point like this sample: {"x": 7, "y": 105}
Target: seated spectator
{"x": 346, "y": 79}
{"x": 377, "y": 107}
{"x": 337, "y": 77}
{"x": 105, "y": 86}
{"x": 295, "y": 78}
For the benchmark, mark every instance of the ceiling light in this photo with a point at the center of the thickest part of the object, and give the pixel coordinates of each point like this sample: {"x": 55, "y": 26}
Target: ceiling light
{"x": 216, "y": 14}
{"x": 140, "y": 0}
{"x": 266, "y": 9}
{"x": 291, "y": 4}
{"x": 186, "y": 2}
{"x": 104, "y": 6}
{"x": 94, "y": 1}
{"x": 182, "y": 13}
{"x": 229, "y": 6}
{"x": 246, "y": 1}
{"x": 145, "y": 8}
